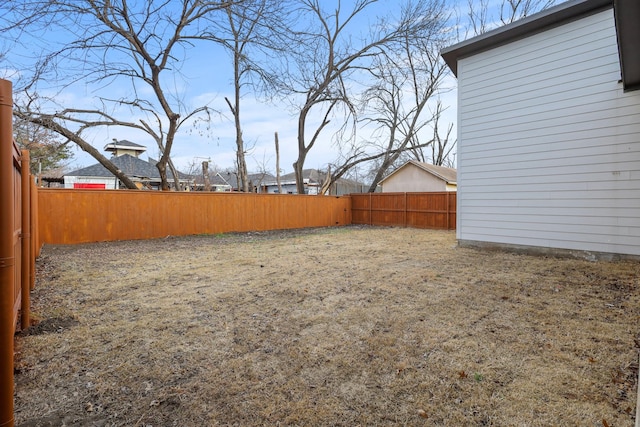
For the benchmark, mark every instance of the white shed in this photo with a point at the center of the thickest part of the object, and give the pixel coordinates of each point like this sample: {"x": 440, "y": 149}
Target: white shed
{"x": 415, "y": 176}
{"x": 549, "y": 131}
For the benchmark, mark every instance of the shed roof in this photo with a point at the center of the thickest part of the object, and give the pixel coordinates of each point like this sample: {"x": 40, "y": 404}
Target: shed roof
{"x": 449, "y": 175}
{"x": 627, "y": 16}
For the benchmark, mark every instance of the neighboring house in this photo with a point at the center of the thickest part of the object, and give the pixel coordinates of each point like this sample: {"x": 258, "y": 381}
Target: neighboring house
{"x": 216, "y": 182}
{"x": 416, "y": 176}
{"x": 258, "y": 181}
{"x": 549, "y": 131}
{"x": 143, "y": 173}
{"x": 313, "y": 180}
{"x": 228, "y": 181}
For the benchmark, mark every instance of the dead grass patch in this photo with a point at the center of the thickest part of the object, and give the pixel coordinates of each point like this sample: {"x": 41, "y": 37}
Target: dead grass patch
{"x": 342, "y": 327}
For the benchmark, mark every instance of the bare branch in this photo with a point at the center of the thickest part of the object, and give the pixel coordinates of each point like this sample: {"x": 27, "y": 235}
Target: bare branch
{"x": 140, "y": 44}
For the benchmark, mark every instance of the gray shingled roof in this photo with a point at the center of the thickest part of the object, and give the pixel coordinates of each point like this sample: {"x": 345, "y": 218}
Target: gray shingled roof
{"x": 313, "y": 175}
{"x": 130, "y": 165}
{"x": 260, "y": 178}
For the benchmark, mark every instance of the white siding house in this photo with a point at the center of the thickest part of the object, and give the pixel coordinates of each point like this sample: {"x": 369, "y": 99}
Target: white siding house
{"x": 548, "y": 138}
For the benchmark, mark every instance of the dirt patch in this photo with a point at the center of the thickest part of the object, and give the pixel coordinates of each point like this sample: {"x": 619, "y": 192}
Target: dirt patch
{"x": 343, "y": 327}
{"x": 47, "y": 326}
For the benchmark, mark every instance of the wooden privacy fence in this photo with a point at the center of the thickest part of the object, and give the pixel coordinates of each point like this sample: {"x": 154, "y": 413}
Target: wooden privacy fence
{"x": 418, "y": 210}
{"x": 80, "y": 216}
{"x": 69, "y": 216}
{"x": 17, "y": 256}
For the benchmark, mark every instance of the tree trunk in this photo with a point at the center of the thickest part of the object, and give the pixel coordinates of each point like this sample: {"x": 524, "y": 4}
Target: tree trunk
{"x": 176, "y": 176}
{"x": 298, "y": 165}
{"x": 297, "y": 168}
{"x": 326, "y": 185}
{"x": 278, "y": 165}
{"x": 388, "y": 161}
{"x": 205, "y": 176}
{"x": 166, "y": 150}
{"x": 162, "y": 169}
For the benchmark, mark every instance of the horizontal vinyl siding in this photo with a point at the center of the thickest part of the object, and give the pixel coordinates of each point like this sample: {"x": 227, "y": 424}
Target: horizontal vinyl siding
{"x": 549, "y": 145}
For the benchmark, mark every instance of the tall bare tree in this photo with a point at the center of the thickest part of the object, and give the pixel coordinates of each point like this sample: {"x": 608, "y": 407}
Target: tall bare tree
{"x": 245, "y": 25}
{"x": 141, "y": 44}
{"x": 248, "y": 32}
{"x": 329, "y": 61}
{"x": 441, "y": 146}
{"x": 407, "y": 82}
{"x": 483, "y": 15}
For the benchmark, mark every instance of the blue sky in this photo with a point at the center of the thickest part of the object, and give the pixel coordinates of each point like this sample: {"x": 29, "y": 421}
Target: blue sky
{"x": 208, "y": 80}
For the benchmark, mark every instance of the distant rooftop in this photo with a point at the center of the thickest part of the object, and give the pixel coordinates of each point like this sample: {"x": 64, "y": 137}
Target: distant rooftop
{"x": 123, "y": 144}
{"x": 449, "y": 175}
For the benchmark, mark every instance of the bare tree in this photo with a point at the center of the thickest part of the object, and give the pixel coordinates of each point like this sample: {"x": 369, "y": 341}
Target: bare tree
{"x": 356, "y": 157}
{"x": 247, "y": 32}
{"x": 442, "y": 147}
{"x": 48, "y": 122}
{"x": 512, "y": 10}
{"x": 330, "y": 62}
{"x": 243, "y": 27}
{"x": 483, "y": 16}
{"x": 141, "y": 44}
{"x": 407, "y": 80}
{"x": 47, "y": 151}
{"x": 478, "y": 16}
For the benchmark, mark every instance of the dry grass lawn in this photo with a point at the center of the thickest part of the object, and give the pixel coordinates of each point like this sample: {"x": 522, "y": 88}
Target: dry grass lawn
{"x": 327, "y": 327}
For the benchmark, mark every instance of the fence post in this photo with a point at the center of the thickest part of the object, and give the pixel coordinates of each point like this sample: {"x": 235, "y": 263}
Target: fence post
{"x": 7, "y": 257}
{"x": 404, "y": 216}
{"x": 35, "y": 234}
{"x": 448, "y": 201}
{"x": 25, "y": 279}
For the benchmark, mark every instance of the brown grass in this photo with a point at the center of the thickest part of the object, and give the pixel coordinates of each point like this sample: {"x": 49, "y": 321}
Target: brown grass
{"x": 341, "y": 327}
